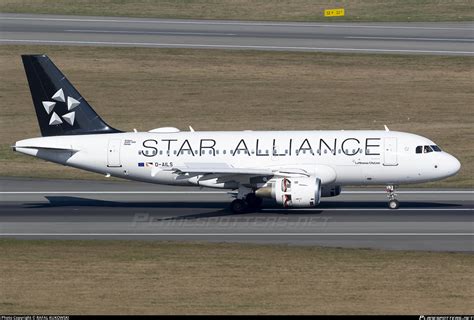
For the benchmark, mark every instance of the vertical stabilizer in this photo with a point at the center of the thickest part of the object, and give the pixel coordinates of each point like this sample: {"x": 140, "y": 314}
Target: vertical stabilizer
{"x": 60, "y": 108}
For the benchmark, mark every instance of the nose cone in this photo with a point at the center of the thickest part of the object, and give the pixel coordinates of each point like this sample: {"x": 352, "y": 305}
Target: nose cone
{"x": 451, "y": 165}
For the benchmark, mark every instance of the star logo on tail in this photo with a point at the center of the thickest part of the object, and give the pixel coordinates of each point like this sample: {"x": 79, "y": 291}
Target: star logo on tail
{"x": 67, "y": 117}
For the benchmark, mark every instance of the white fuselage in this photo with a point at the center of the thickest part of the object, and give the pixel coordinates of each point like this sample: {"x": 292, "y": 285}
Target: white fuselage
{"x": 336, "y": 157}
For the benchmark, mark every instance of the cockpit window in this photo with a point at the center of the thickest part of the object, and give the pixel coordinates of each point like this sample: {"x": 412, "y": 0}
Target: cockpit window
{"x": 427, "y": 149}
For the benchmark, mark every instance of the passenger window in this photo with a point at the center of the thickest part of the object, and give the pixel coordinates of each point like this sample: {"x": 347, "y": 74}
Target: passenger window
{"x": 427, "y": 149}
{"x": 419, "y": 149}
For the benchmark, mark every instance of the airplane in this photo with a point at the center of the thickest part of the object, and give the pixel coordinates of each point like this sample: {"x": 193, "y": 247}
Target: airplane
{"x": 294, "y": 168}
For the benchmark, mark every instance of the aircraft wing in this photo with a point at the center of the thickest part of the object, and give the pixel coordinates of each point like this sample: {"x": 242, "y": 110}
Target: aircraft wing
{"x": 245, "y": 171}
{"x": 228, "y": 170}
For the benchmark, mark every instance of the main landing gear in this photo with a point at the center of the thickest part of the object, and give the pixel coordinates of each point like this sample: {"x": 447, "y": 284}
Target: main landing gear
{"x": 393, "y": 203}
{"x": 248, "y": 203}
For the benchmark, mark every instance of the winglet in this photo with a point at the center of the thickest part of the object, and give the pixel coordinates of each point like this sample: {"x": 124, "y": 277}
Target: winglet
{"x": 191, "y": 129}
{"x": 386, "y": 128}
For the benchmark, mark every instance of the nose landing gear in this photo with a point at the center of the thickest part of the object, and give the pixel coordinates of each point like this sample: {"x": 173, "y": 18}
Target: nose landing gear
{"x": 393, "y": 203}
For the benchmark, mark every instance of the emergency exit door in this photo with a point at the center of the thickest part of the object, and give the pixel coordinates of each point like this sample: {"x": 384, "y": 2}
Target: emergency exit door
{"x": 113, "y": 153}
{"x": 390, "y": 152}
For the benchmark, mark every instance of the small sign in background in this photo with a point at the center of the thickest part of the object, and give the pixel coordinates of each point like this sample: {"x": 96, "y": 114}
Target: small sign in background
{"x": 339, "y": 12}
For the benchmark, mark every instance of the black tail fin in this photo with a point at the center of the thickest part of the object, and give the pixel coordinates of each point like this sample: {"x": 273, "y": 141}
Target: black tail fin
{"x": 60, "y": 108}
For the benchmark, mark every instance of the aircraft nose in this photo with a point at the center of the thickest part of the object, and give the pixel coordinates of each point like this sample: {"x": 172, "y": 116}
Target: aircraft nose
{"x": 452, "y": 165}
{"x": 455, "y": 165}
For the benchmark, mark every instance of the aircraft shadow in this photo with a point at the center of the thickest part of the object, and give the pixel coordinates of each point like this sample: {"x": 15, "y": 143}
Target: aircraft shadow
{"x": 383, "y": 205}
{"x": 359, "y": 205}
{"x": 219, "y": 209}
{"x": 68, "y": 201}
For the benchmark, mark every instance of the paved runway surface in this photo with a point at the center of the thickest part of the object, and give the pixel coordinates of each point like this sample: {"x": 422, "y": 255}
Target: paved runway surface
{"x": 400, "y": 38}
{"x": 55, "y": 209}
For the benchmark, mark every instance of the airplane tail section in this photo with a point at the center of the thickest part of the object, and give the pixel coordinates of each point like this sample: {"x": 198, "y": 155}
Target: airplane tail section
{"x": 60, "y": 108}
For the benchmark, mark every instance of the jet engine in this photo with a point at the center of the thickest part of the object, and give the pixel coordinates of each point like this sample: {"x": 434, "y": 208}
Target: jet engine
{"x": 293, "y": 192}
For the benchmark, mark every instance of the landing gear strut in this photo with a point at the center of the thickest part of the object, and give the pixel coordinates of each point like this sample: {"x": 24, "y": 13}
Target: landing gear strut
{"x": 392, "y": 197}
{"x": 253, "y": 202}
{"x": 246, "y": 201}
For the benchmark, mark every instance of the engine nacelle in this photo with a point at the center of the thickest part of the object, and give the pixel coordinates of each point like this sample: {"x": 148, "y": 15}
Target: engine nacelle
{"x": 330, "y": 191}
{"x": 297, "y": 192}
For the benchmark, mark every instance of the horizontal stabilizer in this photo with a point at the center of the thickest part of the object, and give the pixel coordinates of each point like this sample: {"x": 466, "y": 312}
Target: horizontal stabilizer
{"x": 44, "y": 148}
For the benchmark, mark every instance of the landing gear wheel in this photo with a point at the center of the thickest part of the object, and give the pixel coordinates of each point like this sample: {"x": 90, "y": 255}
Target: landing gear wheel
{"x": 253, "y": 202}
{"x": 392, "y": 197}
{"x": 393, "y": 204}
{"x": 238, "y": 206}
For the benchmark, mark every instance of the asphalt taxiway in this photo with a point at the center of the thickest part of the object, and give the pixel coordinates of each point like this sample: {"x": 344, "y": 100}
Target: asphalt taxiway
{"x": 438, "y": 220}
{"x": 398, "y": 38}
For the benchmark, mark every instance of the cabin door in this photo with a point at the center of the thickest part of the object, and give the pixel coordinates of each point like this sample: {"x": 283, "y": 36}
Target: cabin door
{"x": 113, "y": 153}
{"x": 390, "y": 152}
